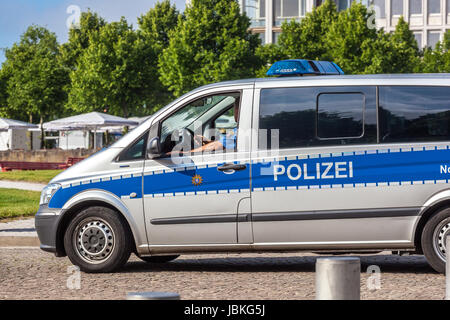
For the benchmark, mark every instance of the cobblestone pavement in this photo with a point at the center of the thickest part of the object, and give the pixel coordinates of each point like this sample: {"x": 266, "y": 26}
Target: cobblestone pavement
{"x": 28, "y": 273}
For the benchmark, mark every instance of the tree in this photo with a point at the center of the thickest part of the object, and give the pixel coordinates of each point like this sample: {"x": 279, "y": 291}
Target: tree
{"x": 3, "y": 90}
{"x": 347, "y": 35}
{"x": 392, "y": 53}
{"x": 305, "y": 39}
{"x": 154, "y": 29}
{"x": 211, "y": 44}
{"x": 36, "y": 76}
{"x": 269, "y": 54}
{"x": 438, "y": 59}
{"x": 79, "y": 38}
{"x": 113, "y": 72}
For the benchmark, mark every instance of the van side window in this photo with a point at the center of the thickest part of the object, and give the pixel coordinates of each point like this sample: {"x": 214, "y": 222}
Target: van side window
{"x": 414, "y": 113}
{"x": 317, "y": 116}
{"x": 340, "y": 115}
{"x": 136, "y": 151}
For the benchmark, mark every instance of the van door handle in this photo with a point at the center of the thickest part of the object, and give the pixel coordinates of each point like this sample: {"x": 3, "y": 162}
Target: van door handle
{"x": 232, "y": 167}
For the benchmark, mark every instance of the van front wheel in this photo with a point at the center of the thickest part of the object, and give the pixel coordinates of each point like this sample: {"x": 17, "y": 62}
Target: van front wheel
{"x": 97, "y": 240}
{"x": 434, "y": 237}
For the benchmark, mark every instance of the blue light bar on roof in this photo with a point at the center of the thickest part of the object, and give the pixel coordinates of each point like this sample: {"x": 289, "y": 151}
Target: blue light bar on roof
{"x": 300, "y": 67}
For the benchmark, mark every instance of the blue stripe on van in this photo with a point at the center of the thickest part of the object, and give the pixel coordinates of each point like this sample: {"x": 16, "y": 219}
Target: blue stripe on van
{"x": 375, "y": 167}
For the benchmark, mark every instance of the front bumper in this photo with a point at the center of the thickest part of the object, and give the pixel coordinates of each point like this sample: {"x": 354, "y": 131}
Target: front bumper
{"x": 46, "y": 223}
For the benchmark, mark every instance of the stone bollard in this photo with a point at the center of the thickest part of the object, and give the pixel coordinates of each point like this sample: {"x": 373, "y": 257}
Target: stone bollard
{"x": 338, "y": 278}
{"x": 153, "y": 296}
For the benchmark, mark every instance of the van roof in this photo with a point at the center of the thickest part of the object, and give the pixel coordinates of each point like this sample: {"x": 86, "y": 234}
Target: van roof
{"x": 332, "y": 77}
{"x": 367, "y": 79}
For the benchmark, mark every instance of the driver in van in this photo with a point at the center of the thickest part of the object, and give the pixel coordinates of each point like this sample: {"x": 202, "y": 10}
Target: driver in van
{"x": 226, "y": 142}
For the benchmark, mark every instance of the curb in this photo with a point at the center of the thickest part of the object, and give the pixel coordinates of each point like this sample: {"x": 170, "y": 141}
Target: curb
{"x": 6, "y": 241}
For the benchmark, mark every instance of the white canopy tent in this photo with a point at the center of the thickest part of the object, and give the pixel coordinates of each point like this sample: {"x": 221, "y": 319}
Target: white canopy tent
{"x": 13, "y": 134}
{"x": 89, "y": 121}
{"x": 138, "y": 121}
{"x": 7, "y": 124}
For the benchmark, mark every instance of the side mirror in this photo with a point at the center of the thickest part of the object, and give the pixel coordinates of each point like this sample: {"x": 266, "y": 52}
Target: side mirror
{"x": 154, "y": 148}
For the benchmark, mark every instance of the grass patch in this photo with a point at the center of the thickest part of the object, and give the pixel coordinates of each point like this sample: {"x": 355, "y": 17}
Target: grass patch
{"x": 18, "y": 203}
{"x": 38, "y": 176}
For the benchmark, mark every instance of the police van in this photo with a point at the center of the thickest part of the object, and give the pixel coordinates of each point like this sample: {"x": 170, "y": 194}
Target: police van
{"x": 310, "y": 160}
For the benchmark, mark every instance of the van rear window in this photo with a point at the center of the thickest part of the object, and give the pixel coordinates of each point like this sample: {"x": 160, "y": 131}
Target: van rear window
{"x": 414, "y": 113}
{"x": 317, "y": 116}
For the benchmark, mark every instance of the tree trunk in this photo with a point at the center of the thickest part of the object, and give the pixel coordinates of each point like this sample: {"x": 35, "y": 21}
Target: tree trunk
{"x": 30, "y": 133}
{"x": 42, "y": 133}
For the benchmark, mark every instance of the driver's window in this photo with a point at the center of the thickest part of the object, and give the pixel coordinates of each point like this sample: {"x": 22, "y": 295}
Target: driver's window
{"x": 201, "y": 125}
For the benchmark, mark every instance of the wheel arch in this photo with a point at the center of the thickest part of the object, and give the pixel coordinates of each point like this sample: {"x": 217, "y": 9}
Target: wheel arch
{"x": 91, "y": 198}
{"x": 433, "y": 205}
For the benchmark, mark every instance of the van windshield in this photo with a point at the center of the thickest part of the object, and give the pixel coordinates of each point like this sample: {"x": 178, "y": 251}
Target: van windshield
{"x": 184, "y": 117}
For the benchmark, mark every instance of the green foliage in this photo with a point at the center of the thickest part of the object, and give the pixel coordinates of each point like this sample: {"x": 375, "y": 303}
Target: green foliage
{"x": 3, "y": 91}
{"x": 156, "y": 25}
{"x": 36, "y": 77}
{"x": 269, "y": 54}
{"x": 111, "y": 67}
{"x": 79, "y": 38}
{"x": 437, "y": 59}
{"x": 392, "y": 53}
{"x": 211, "y": 44}
{"x": 347, "y": 36}
{"x": 154, "y": 29}
{"x": 113, "y": 72}
{"x": 305, "y": 39}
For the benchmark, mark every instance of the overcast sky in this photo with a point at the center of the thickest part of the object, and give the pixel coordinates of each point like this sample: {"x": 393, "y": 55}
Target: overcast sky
{"x": 17, "y": 15}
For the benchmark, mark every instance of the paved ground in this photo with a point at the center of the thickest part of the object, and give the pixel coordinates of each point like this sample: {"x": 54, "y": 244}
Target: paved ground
{"x": 21, "y": 185}
{"x": 18, "y": 233}
{"x": 18, "y": 228}
{"x": 27, "y": 273}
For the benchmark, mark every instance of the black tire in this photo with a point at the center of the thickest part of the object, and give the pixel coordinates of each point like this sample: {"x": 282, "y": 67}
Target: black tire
{"x": 433, "y": 239}
{"x": 103, "y": 230}
{"x": 159, "y": 259}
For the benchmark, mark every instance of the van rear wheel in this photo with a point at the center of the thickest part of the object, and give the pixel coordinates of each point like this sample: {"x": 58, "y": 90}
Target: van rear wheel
{"x": 159, "y": 259}
{"x": 97, "y": 240}
{"x": 434, "y": 237}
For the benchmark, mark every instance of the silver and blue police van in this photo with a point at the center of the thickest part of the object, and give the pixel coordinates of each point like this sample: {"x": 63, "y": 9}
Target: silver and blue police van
{"x": 323, "y": 163}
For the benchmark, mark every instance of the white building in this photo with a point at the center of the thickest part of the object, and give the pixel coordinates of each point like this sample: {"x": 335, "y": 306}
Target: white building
{"x": 428, "y": 19}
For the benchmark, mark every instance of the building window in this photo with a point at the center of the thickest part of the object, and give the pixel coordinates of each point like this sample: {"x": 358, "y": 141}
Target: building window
{"x": 285, "y": 10}
{"x": 256, "y": 11}
{"x": 343, "y": 4}
{"x": 380, "y": 8}
{"x": 434, "y": 6}
{"x": 415, "y": 6}
{"x": 418, "y": 37}
{"x": 433, "y": 39}
{"x": 397, "y": 7}
{"x": 448, "y": 6}
{"x": 262, "y": 36}
{"x": 276, "y": 36}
